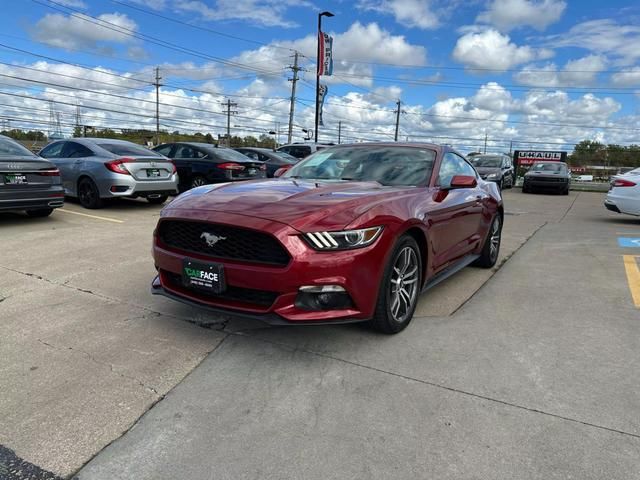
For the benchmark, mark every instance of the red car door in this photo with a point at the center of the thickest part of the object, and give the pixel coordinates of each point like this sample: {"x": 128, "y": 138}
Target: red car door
{"x": 455, "y": 214}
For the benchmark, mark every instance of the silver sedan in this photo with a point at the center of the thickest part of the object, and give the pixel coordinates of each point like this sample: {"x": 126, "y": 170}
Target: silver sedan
{"x": 95, "y": 169}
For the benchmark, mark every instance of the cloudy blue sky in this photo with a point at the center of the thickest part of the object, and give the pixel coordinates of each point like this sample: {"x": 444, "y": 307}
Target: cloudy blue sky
{"x": 549, "y": 71}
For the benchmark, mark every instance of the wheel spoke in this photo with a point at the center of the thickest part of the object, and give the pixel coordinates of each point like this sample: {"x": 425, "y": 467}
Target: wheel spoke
{"x": 395, "y": 305}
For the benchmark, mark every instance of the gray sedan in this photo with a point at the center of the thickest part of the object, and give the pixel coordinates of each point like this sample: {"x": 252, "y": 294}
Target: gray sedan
{"x": 27, "y": 182}
{"x": 95, "y": 169}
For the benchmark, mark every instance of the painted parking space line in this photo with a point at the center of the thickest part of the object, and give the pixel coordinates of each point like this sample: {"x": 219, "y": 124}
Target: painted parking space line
{"x": 633, "y": 277}
{"x": 95, "y": 217}
{"x": 629, "y": 242}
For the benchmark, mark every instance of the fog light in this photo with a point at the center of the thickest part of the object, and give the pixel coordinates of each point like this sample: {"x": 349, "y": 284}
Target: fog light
{"x": 118, "y": 188}
{"x": 323, "y": 297}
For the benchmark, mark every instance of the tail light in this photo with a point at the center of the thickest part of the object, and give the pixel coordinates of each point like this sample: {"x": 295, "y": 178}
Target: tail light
{"x": 621, "y": 182}
{"x": 50, "y": 172}
{"x": 173, "y": 168}
{"x": 230, "y": 166}
{"x": 118, "y": 166}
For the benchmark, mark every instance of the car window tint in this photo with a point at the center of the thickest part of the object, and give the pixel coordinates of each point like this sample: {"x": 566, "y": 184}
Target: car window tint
{"x": 184, "y": 151}
{"x": 75, "y": 150}
{"x": 127, "y": 149}
{"x": 52, "y": 151}
{"x": 250, "y": 154}
{"x": 11, "y": 148}
{"x": 298, "y": 151}
{"x": 451, "y": 166}
{"x": 164, "y": 150}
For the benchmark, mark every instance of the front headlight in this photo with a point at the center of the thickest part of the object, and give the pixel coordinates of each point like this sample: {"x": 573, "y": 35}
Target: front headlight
{"x": 343, "y": 240}
{"x": 492, "y": 176}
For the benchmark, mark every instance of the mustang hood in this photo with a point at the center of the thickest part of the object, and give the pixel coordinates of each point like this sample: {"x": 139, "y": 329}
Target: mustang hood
{"x": 298, "y": 203}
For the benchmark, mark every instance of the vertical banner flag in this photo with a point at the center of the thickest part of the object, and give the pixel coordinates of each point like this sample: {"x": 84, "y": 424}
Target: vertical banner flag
{"x": 326, "y": 54}
{"x": 322, "y": 93}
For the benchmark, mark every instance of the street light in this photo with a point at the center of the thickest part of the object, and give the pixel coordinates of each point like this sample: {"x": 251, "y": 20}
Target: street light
{"x": 320, "y": 15}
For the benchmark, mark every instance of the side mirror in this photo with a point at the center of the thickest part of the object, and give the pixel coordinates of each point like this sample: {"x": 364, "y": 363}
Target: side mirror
{"x": 463, "y": 181}
{"x": 280, "y": 172}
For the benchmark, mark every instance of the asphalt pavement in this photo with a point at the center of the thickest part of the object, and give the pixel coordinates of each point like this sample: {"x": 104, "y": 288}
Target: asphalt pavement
{"x": 528, "y": 371}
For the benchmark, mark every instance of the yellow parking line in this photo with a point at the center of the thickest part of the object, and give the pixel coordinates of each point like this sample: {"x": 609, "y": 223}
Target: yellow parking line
{"x": 106, "y": 219}
{"x": 633, "y": 276}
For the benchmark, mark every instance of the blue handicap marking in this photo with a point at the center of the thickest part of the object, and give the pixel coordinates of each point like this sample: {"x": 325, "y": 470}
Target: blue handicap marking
{"x": 629, "y": 242}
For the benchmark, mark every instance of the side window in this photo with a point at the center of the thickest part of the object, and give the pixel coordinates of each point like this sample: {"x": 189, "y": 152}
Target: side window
{"x": 75, "y": 150}
{"x": 199, "y": 154}
{"x": 165, "y": 150}
{"x": 263, "y": 158}
{"x": 252, "y": 155}
{"x": 451, "y": 166}
{"x": 52, "y": 151}
{"x": 184, "y": 151}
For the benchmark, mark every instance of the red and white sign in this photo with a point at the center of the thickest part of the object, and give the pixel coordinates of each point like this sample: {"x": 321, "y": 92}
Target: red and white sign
{"x": 529, "y": 157}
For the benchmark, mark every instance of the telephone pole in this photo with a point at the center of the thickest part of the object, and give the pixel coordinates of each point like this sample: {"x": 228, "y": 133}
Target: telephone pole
{"x": 339, "y": 131}
{"x": 229, "y": 104}
{"x": 292, "y": 106}
{"x": 398, "y": 103}
{"x": 485, "y": 142}
{"x": 78, "y": 120}
{"x": 157, "y": 85}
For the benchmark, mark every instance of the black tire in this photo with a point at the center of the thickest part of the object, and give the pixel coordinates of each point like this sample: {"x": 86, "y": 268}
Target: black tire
{"x": 491, "y": 249}
{"x": 511, "y": 182}
{"x": 501, "y": 184}
{"x": 197, "y": 181}
{"x": 565, "y": 191}
{"x": 41, "y": 212}
{"x": 158, "y": 200}
{"x": 88, "y": 194}
{"x": 406, "y": 254}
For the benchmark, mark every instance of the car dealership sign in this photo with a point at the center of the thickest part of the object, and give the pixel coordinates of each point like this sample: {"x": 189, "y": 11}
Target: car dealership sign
{"x": 529, "y": 157}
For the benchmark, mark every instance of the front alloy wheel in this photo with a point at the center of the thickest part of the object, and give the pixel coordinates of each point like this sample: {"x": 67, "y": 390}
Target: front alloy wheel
{"x": 400, "y": 288}
{"x": 491, "y": 249}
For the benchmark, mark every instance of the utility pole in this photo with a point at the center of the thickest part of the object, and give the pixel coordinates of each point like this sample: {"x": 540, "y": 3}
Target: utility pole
{"x": 510, "y": 147}
{"x": 157, "y": 85}
{"x": 398, "y": 103}
{"x": 78, "y": 120}
{"x": 229, "y": 104}
{"x": 485, "y": 142}
{"x": 295, "y": 69}
{"x": 339, "y": 131}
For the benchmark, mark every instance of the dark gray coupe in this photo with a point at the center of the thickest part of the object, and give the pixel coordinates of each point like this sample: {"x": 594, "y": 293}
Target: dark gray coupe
{"x": 27, "y": 182}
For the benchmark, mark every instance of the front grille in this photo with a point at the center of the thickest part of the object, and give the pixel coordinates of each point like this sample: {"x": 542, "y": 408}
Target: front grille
{"x": 249, "y": 296}
{"x": 232, "y": 242}
{"x": 549, "y": 179}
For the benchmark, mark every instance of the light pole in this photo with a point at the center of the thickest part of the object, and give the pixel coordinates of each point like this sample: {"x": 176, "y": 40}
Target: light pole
{"x": 320, "y": 15}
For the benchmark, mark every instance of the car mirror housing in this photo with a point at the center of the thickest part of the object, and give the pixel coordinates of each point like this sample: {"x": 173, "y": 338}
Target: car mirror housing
{"x": 463, "y": 181}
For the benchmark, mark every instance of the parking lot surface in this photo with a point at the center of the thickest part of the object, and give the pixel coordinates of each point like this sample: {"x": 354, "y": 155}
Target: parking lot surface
{"x": 525, "y": 371}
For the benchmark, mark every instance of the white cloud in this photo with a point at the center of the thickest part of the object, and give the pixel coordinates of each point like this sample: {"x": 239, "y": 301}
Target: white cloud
{"x": 627, "y": 78}
{"x": 269, "y": 13}
{"x": 73, "y": 3}
{"x": 74, "y": 32}
{"x": 576, "y": 73}
{"x": 490, "y": 49}
{"x": 510, "y": 14}
{"x": 606, "y": 36}
{"x": 410, "y": 13}
{"x": 366, "y": 43}
{"x": 153, "y": 4}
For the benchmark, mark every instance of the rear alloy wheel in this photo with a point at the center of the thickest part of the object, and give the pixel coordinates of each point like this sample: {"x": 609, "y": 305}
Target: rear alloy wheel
{"x": 501, "y": 184}
{"x": 157, "y": 200}
{"x": 88, "y": 194}
{"x": 400, "y": 288}
{"x": 42, "y": 212}
{"x": 198, "y": 181}
{"x": 491, "y": 249}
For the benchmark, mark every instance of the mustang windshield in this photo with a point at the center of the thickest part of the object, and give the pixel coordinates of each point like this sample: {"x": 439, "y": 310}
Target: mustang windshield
{"x": 548, "y": 167}
{"x": 387, "y": 165}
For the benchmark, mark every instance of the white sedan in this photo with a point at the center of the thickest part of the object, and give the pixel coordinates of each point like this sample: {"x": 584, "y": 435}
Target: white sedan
{"x": 624, "y": 194}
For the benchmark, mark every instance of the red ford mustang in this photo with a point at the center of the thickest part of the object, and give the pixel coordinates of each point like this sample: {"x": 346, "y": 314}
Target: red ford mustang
{"x": 352, "y": 233}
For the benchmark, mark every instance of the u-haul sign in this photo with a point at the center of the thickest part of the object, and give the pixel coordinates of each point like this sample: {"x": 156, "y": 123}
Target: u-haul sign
{"x": 529, "y": 157}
